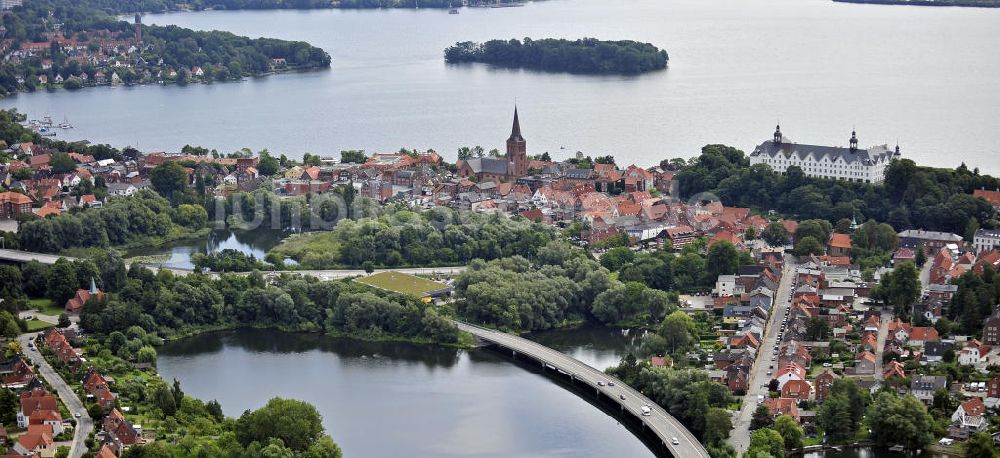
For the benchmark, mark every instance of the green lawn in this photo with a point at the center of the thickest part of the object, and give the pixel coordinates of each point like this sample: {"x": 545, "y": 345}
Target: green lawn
{"x": 38, "y": 325}
{"x": 401, "y": 283}
{"x": 46, "y": 306}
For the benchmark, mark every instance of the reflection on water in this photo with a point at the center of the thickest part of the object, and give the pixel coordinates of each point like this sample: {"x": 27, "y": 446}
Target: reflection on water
{"x": 381, "y": 399}
{"x": 178, "y": 255}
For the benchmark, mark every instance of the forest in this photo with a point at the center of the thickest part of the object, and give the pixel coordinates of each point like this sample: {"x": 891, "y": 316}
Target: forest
{"x": 911, "y": 197}
{"x": 587, "y": 55}
{"x": 398, "y": 238}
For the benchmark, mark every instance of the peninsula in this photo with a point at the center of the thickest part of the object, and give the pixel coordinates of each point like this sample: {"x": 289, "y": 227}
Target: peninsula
{"x": 967, "y": 3}
{"x": 53, "y": 44}
{"x": 585, "y": 56}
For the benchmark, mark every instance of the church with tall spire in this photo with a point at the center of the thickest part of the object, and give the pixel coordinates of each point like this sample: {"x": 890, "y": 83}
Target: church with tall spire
{"x": 500, "y": 169}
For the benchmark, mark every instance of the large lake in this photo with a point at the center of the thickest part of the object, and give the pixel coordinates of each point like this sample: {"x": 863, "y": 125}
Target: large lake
{"x": 927, "y": 77}
{"x": 392, "y": 399}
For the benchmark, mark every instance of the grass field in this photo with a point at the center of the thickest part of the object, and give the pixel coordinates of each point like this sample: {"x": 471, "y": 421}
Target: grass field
{"x": 46, "y": 306}
{"x": 38, "y": 325}
{"x": 402, "y": 283}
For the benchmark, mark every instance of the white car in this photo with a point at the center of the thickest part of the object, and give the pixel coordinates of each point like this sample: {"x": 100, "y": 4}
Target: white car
{"x": 673, "y": 440}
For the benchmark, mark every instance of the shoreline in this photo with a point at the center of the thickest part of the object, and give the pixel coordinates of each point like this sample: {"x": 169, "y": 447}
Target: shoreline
{"x": 60, "y": 87}
{"x": 939, "y": 3}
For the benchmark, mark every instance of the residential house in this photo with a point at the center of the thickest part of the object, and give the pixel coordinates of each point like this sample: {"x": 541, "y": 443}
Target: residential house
{"x": 781, "y": 406}
{"x": 865, "y": 363}
{"x": 923, "y": 387}
{"x": 32, "y": 401}
{"x": 970, "y": 415}
{"x": 991, "y": 328}
{"x": 919, "y": 335}
{"x": 799, "y": 390}
{"x": 824, "y": 383}
{"x": 789, "y": 372}
{"x": 35, "y": 444}
{"x": 893, "y": 369}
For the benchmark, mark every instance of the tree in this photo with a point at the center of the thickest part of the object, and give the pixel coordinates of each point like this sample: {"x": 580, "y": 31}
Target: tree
{"x": 718, "y": 424}
{"x": 817, "y": 329}
{"x": 818, "y": 229}
{"x": 192, "y": 216}
{"x": 830, "y": 417}
{"x": 900, "y": 420}
{"x": 62, "y": 163}
{"x": 164, "y": 399}
{"x": 8, "y": 325}
{"x": 215, "y": 410}
{"x": 775, "y": 234}
{"x": 64, "y": 320}
{"x": 267, "y": 165}
{"x": 761, "y": 418}
{"x": 921, "y": 256}
{"x": 723, "y": 259}
{"x": 359, "y": 157}
{"x": 616, "y": 258}
{"x": 766, "y": 442}
{"x": 62, "y": 281}
{"x": 808, "y": 245}
{"x": 62, "y": 452}
{"x": 679, "y": 331}
{"x": 298, "y": 424}
{"x": 900, "y": 288}
{"x": 169, "y": 180}
{"x": 980, "y": 445}
{"x": 790, "y": 431}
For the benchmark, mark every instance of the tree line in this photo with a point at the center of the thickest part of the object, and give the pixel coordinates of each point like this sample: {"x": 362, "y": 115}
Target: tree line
{"x": 911, "y": 196}
{"x": 587, "y": 55}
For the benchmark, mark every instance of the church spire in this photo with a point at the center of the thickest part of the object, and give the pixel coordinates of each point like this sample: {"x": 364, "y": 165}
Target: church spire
{"x": 93, "y": 286}
{"x": 515, "y": 131}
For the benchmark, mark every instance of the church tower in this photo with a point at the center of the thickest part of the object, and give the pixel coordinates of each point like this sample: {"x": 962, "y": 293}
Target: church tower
{"x": 854, "y": 141}
{"x": 517, "y": 150}
{"x": 777, "y": 135}
{"x": 138, "y": 29}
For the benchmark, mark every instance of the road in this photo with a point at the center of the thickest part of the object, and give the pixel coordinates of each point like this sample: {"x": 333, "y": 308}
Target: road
{"x": 84, "y": 424}
{"x": 739, "y": 438}
{"x": 334, "y": 274}
{"x": 883, "y": 335}
{"x": 666, "y": 427}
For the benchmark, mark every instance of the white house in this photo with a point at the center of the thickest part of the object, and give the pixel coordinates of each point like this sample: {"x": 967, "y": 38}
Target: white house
{"x": 972, "y": 355}
{"x": 970, "y": 415}
{"x": 791, "y": 371}
{"x": 833, "y": 162}
{"x": 986, "y": 239}
{"x": 725, "y": 285}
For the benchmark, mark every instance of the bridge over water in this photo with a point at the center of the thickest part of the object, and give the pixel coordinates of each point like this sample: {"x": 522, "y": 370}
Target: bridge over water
{"x": 663, "y": 425}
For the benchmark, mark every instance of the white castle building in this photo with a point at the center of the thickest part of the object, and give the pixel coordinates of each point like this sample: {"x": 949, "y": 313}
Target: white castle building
{"x": 834, "y": 162}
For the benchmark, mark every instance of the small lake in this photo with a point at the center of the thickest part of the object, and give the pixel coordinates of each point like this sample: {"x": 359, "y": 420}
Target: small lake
{"x": 382, "y": 399}
{"x": 177, "y": 255}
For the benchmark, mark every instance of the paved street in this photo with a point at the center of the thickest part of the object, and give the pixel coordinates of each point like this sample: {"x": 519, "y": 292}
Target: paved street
{"x": 740, "y": 436}
{"x": 84, "y": 424}
{"x": 883, "y": 335}
{"x": 666, "y": 427}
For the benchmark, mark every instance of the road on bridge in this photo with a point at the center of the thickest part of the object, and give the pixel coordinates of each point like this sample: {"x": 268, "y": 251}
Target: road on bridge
{"x": 666, "y": 427}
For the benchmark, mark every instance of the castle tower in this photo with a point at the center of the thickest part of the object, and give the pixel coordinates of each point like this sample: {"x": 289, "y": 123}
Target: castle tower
{"x": 138, "y": 29}
{"x": 517, "y": 150}
{"x": 777, "y": 134}
{"x": 854, "y": 141}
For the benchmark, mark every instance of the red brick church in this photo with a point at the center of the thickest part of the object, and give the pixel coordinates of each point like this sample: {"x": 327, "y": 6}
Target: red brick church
{"x": 508, "y": 168}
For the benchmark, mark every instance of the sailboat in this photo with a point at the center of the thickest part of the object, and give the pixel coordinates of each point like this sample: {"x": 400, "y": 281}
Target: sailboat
{"x": 65, "y": 124}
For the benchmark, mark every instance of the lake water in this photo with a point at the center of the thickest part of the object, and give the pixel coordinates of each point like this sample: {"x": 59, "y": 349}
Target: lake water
{"x": 392, "y": 399}
{"x": 178, "y": 255}
{"x": 926, "y": 77}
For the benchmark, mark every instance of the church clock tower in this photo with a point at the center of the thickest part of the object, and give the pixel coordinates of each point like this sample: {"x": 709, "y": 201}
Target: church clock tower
{"x": 517, "y": 150}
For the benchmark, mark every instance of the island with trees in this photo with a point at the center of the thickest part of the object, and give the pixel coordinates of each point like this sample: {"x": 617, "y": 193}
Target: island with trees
{"x": 161, "y": 6}
{"x": 583, "y": 56}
